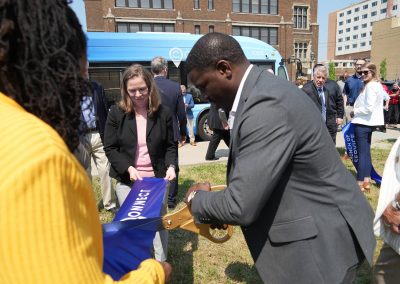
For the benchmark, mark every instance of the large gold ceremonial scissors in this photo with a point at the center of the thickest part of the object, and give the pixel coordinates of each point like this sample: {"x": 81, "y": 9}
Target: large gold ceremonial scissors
{"x": 183, "y": 219}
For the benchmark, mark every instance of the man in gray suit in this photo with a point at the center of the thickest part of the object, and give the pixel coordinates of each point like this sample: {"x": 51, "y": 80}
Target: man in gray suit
{"x": 303, "y": 217}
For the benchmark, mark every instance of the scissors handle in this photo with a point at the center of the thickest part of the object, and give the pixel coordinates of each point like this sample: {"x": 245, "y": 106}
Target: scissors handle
{"x": 183, "y": 219}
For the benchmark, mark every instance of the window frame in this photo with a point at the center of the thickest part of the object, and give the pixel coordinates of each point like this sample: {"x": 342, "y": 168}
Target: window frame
{"x": 301, "y": 16}
{"x": 265, "y": 7}
{"x": 139, "y": 4}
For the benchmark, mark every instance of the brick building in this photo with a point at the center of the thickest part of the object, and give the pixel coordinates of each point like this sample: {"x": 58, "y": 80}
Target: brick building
{"x": 350, "y": 29}
{"x": 290, "y": 26}
{"x": 386, "y": 35}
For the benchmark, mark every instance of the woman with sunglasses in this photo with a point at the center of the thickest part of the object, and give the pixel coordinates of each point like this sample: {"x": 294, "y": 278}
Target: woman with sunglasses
{"x": 139, "y": 139}
{"x": 368, "y": 114}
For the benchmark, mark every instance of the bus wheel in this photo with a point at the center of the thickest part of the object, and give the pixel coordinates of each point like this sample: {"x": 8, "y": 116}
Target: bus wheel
{"x": 203, "y": 130}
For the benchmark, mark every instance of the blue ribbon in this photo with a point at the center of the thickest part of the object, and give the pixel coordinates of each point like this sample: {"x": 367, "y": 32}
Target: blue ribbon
{"x": 352, "y": 151}
{"x": 128, "y": 240}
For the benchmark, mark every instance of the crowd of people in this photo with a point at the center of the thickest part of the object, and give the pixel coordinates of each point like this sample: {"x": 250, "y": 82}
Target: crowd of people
{"x": 304, "y": 220}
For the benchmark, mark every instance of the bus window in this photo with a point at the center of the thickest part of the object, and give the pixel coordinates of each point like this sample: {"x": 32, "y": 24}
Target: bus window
{"x": 110, "y": 80}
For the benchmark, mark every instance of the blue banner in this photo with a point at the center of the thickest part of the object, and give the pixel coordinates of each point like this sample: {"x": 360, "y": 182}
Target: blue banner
{"x": 128, "y": 240}
{"x": 352, "y": 151}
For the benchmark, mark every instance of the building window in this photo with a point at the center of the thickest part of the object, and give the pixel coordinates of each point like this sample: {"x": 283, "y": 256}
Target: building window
{"x": 373, "y": 13}
{"x": 348, "y": 21}
{"x": 210, "y": 4}
{"x": 355, "y": 36}
{"x": 357, "y": 9}
{"x": 197, "y": 29}
{"x": 355, "y": 28}
{"x": 339, "y": 48}
{"x": 348, "y": 12}
{"x": 301, "y": 50}
{"x": 364, "y": 35}
{"x": 356, "y": 19}
{"x": 347, "y": 30}
{"x": 374, "y": 3}
{"x": 196, "y": 4}
{"x": 340, "y": 32}
{"x": 341, "y": 14}
{"x": 347, "y": 38}
{"x": 365, "y": 7}
{"x": 152, "y": 4}
{"x": 347, "y": 47}
{"x": 340, "y": 40}
{"x": 383, "y": 1}
{"x": 210, "y": 29}
{"x": 300, "y": 17}
{"x": 144, "y": 27}
{"x": 394, "y": 7}
{"x": 341, "y": 23}
{"x": 255, "y": 6}
{"x": 267, "y": 34}
{"x": 365, "y": 16}
{"x": 354, "y": 45}
{"x": 363, "y": 44}
{"x": 383, "y": 11}
{"x": 364, "y": 25}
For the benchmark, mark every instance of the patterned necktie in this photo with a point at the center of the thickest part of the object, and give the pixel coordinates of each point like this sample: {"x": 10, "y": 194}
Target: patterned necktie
{"x": 322, "y": 99}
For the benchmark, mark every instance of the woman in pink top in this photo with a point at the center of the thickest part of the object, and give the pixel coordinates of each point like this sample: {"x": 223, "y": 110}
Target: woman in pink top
{"x": 139, "y": 140}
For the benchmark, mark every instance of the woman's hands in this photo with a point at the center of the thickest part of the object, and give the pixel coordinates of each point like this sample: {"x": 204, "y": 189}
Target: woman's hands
{"x": 170, "y": 174}
{"x": 134, "y": 174}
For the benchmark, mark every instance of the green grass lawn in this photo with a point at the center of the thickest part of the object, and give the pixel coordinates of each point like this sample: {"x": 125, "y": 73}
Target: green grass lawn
{"x": 197, "y": 260}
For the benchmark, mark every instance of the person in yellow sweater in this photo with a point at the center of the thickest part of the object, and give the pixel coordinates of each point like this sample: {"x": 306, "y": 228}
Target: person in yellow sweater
{"x": 50, "y": 230}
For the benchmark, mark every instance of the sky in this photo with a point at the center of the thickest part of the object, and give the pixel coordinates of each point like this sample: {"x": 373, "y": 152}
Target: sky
{"x": 324, "y": 8}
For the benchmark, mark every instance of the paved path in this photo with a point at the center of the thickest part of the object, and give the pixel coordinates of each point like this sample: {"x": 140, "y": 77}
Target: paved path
{"x": 192, "y": 155}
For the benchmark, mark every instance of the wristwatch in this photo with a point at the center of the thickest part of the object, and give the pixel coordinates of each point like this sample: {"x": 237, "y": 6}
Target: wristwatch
{"x": 172, "y": 166}
{"x": 396, "y": 205}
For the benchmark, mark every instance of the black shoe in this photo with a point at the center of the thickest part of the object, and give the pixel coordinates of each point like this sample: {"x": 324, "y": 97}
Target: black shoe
{"x": 171, "y": 205}
{"x": 212, "y": 159}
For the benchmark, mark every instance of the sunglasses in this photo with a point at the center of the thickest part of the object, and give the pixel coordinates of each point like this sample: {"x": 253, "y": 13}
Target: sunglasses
{"x": 365, "y": 73}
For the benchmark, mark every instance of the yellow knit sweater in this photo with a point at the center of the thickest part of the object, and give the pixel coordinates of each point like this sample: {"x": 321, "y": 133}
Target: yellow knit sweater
{"x": 49, "y": 225}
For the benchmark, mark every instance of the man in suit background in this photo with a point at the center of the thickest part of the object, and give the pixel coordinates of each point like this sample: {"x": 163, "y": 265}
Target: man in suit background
{"x": 94, "y": 114}
{"x": 171, "y": 96}
{"x": 303, "y": 217}
{"x": 326, "y": 95}
{"x": 219, "y": 132}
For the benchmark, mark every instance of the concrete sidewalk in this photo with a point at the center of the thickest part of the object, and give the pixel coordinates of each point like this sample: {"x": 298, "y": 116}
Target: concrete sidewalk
{"x": 193, "y": 155}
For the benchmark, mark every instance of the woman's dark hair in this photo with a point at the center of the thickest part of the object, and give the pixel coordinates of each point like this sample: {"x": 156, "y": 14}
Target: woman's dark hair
{"x": 42, "y": 49}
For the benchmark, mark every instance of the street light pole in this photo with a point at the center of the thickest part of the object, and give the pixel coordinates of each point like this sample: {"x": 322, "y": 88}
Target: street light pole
{"x": 312, "y": 57}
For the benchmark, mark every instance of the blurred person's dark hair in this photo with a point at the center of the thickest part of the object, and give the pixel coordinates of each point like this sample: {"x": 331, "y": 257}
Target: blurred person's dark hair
{"x": 42, "y": 55}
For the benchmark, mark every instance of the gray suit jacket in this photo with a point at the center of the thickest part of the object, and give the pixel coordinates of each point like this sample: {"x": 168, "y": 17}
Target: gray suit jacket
{"x": 301, "y": 211}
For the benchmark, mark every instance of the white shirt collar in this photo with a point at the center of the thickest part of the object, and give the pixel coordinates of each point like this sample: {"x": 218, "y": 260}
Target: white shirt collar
{"x": 237, "y": 98}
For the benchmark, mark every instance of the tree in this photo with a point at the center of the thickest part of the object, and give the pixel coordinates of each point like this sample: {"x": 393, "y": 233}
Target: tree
{"x": 383, "y": 69}
{"x": 332, "y": 71}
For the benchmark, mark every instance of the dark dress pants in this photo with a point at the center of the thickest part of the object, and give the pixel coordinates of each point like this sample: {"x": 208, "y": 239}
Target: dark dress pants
{"x": 363, "y": 135}
{"x": 218, "y": 134}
